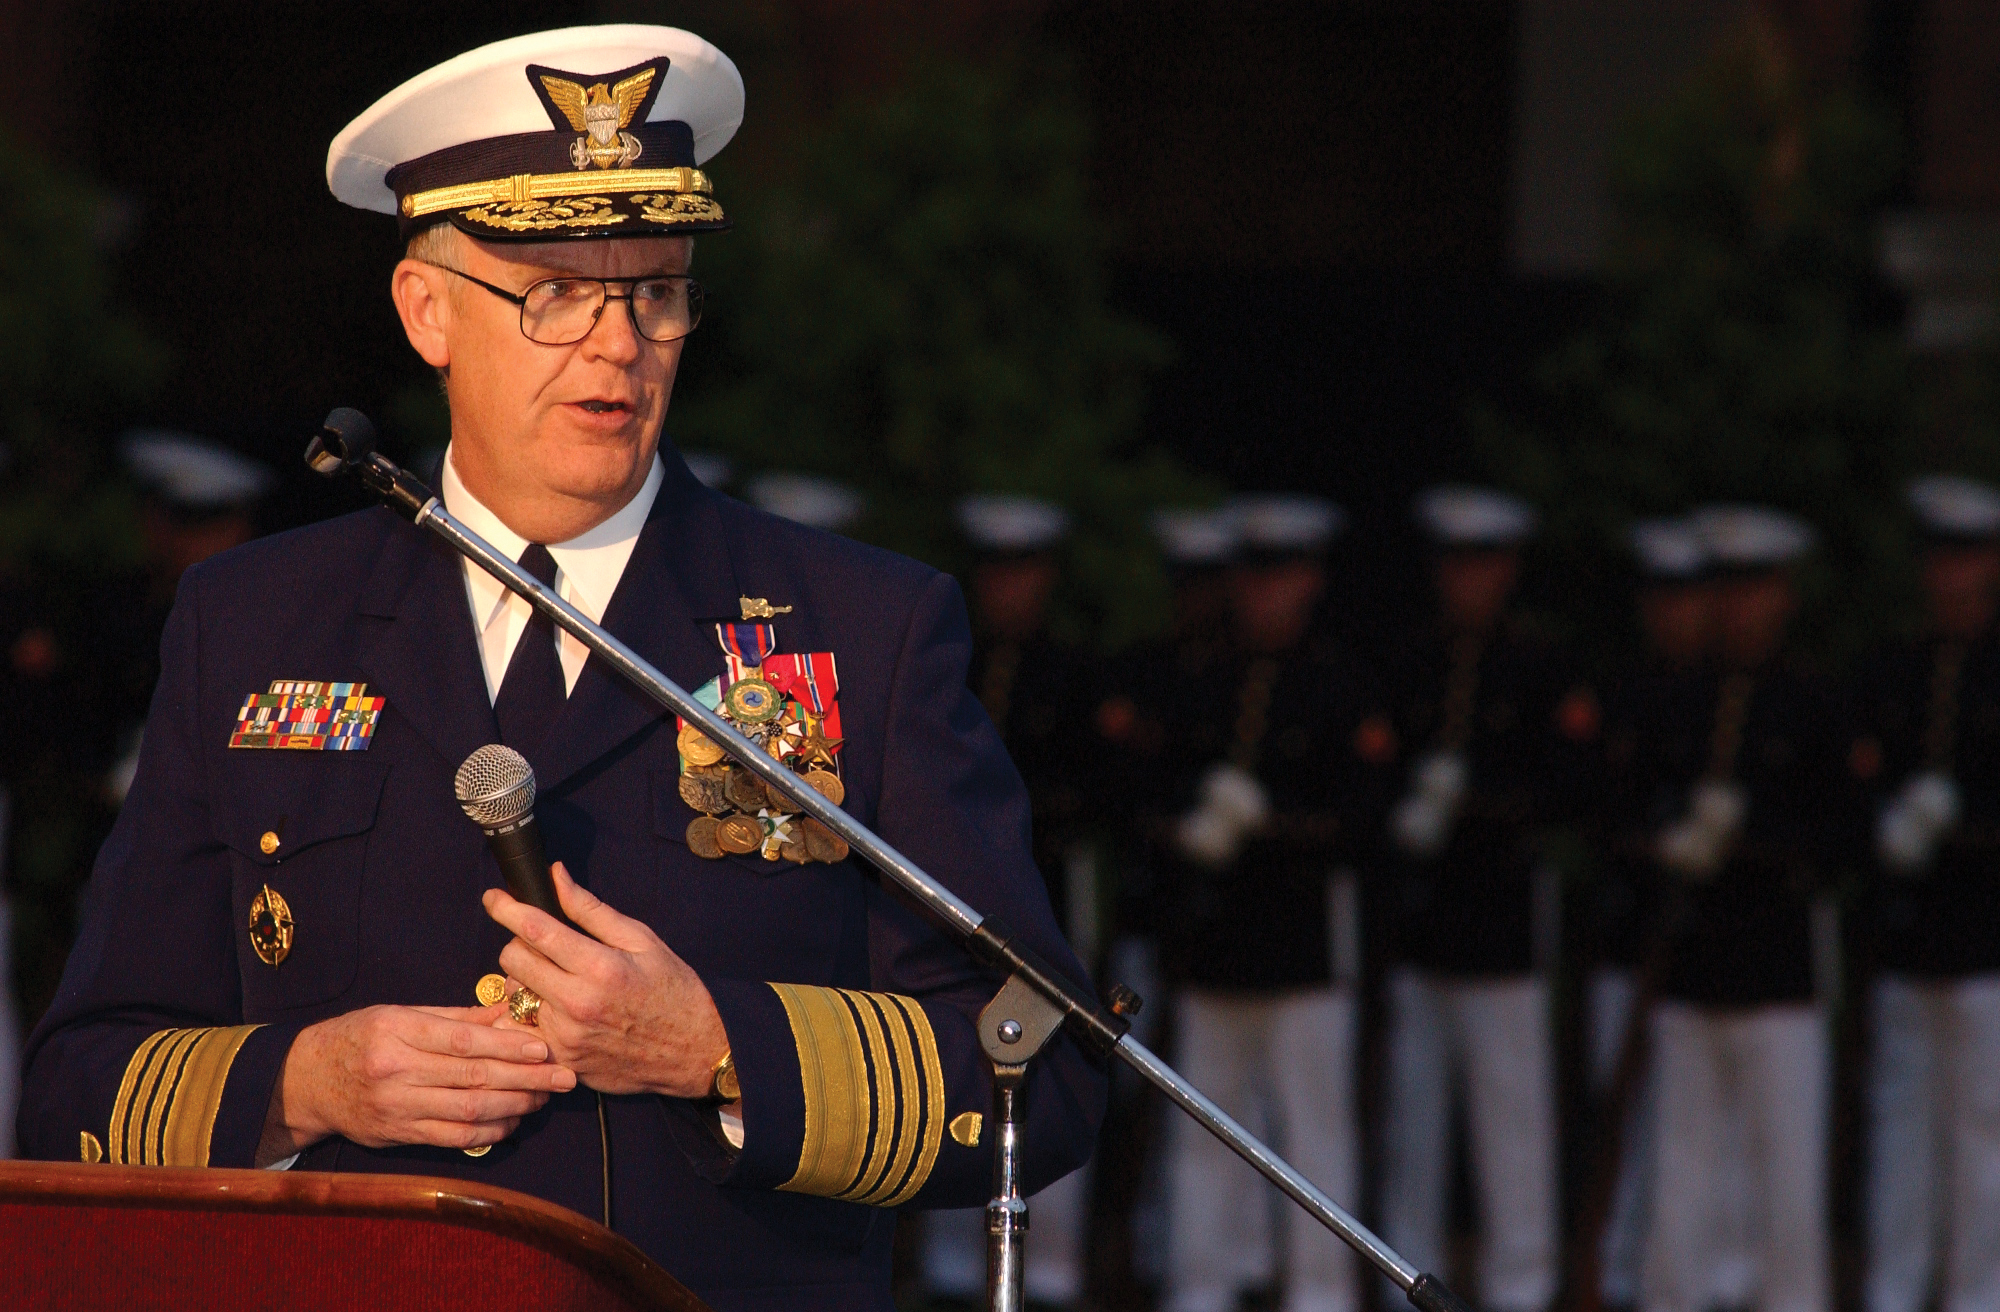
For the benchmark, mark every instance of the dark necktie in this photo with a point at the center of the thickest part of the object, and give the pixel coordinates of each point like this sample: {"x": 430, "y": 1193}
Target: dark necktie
{"x": 532, "y": 693}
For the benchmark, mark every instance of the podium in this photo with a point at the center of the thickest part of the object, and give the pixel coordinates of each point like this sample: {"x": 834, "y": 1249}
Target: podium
{"x": 76, "y": 1236}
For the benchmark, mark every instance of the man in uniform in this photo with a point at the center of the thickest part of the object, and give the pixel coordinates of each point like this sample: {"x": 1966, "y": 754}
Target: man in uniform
{"x": 1488, "y": 724}
{"x": 1759, "y": 778}
{"x": 1930, "y": 710}
{"x": 1655, "y": 695}
{"x": 1269, "y": 740}
{"x": 1144, "y": 690}
{"x": 756, "y": 1048}
{"x": 1039, "y": 694}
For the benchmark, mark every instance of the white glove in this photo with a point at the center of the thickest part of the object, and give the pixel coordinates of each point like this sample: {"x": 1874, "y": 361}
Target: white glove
{"x": 1909, "y": 829}
{"x": 1933, "y": 799}
{"x": 1236, "y": 795}
{"x": 1422, "y": 821}
{"x": 1231, "y": 805}
{"x": 1902, "y": 840}
{"x": 1207, "y": 838}
{"x": 1441, "y": 776}
{"x": 1421, "y": 825}
{"x": 1694, "y": 846}
{"x": 1718, "y": 807}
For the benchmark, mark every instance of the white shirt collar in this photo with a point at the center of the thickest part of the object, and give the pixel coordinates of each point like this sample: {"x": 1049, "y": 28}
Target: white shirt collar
{"x": 588, "y": 568}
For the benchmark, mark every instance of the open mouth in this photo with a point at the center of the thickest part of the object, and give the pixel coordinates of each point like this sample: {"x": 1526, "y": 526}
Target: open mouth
{"x": 604, "y": 407}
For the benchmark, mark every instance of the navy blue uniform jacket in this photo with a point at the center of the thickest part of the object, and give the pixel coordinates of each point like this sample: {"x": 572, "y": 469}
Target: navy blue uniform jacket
{"x": 850, "y": 1014}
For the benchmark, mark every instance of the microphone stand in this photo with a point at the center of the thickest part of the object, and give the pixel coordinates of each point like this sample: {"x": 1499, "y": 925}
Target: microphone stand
{"x": 1035, "y": 1002}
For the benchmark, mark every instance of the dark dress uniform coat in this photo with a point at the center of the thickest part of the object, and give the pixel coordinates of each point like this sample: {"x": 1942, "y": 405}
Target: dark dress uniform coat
{"x": 850, "y": 1015}
{"x": 1531, "y": 736}
{"x": 1261, "y": 923}
{"x": 1746, "y": 939}
{"x": 1938, "y": 923}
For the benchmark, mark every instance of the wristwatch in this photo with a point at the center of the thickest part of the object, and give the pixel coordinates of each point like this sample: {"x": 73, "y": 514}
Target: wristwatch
{"x": 722, "y": 1085}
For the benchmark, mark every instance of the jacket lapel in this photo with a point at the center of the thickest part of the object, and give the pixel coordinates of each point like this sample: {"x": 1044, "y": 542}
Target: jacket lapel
{"x": 679, "y": 577}
{"x": 422, "y": 654}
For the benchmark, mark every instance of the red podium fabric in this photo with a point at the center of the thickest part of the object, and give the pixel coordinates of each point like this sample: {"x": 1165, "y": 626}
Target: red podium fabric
{"x": 74, "y": 1236}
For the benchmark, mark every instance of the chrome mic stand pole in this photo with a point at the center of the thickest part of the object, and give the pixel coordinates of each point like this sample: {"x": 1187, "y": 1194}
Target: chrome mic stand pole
{"x": 1036, "y": 998}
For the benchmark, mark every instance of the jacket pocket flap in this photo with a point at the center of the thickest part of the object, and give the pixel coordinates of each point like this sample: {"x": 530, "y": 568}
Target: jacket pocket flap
{"x": 286, "y": 807}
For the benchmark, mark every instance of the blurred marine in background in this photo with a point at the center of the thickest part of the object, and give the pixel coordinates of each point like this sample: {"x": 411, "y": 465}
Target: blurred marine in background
{"x": 1262, "y": 746}
{"x": 1039, "y": 694}
{"x": 1656, "y": 696}
{"x": 1491, "y": 728}
{"x": 1930, "y": 714}
{"x": 1740, "y": 1042}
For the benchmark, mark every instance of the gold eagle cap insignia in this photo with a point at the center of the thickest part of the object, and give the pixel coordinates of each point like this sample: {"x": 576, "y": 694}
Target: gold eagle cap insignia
{"x": 602, "y": 113}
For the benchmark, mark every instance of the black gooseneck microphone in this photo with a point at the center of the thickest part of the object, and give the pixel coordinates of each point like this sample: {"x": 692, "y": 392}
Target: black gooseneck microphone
{"x": 496, "y": 790}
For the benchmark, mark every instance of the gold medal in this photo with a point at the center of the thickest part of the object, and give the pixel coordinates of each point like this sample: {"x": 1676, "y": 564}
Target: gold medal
{"x": 490, "y": 989}
{"x": 745, "y": 791}
{"x": 704, "y": 792}
{"x": 739, "y": 835}
{"x": 822, "y": 844}
{"x": 697, "y": 747}
{"x": 827, "y": 784}
{"x": 753, "y": 701}
{"x": 702, "y": 840}
{"x": 270, "y": 927}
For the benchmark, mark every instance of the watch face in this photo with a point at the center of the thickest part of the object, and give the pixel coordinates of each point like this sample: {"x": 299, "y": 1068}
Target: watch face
{"x": 726, "y": 1087}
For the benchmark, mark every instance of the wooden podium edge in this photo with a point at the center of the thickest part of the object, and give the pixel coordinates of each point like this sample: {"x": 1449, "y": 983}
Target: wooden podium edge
{"x": 557, "y": 1231}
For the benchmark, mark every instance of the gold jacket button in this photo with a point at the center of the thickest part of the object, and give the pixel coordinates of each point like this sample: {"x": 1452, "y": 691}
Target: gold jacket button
{"x": 269, "y": 842}
{"x": 490, "y": 989}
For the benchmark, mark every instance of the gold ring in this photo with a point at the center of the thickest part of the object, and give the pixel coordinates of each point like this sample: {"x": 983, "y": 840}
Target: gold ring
{"x": 524, "y": 1006}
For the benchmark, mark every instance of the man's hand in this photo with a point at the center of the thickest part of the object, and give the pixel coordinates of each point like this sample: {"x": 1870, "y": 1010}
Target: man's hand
{"x": 619, "y": 1008}
{"x": 396, "y": 1075}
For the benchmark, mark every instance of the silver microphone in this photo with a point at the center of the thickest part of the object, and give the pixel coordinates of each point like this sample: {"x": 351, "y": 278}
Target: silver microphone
{"x": 496, "y": 790}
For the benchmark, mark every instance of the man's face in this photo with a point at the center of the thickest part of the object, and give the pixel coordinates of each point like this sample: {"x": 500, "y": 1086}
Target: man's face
{"x": 1679, "y": 619}
{"x": 1011, "y": 597}
{"x": 1273, "y": 603}
{"x": 554, "y": 439}
{"x": 1959, "y": 587}
{"x": 1473, "y": 587}
{"x": 1754, "y": 612}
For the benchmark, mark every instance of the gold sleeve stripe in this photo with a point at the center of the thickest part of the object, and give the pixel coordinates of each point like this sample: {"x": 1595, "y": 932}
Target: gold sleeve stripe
{"x": 834, "y": 1073}
{"x": 138, "y": 1071}
{"x": 899, "y": 1102}
{"x": 930, "y": 1135}
{"x": 873, "y": 1090}
{"x": 167, "y": 1103}
{"x": 882, "y": 1121}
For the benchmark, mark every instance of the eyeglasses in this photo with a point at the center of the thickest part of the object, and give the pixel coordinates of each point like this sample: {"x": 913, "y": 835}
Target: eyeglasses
{"x": 665, "y": 307}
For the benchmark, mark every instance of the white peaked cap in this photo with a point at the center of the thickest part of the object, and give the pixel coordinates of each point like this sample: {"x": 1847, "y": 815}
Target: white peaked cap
{"x": 485, "y": 94}
{"x": 1010, "y": 523}
{"x": 1753, "y": 537}
{"x": 1198, "y": 537}
{"x": 807, "y": 499}
{"x": 709, "y": 469}
{"x": 1956, "y": 507}
{"x": 1287, "y": 521}
{"x": 192, "y": 472}
{"x": 1459, "y": 516}
{"x": 1670, "y": 550}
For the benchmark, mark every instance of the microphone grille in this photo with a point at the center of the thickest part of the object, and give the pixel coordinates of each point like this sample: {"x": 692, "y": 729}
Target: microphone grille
{"x": 495, "y": 786}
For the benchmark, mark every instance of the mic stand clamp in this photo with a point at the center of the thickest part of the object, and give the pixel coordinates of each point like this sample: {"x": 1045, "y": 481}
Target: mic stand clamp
{"x": 1013, "y": 1027}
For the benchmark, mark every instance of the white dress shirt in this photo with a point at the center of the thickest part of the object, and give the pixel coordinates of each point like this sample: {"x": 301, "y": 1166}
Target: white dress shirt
{"x": 588, "y": 568}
